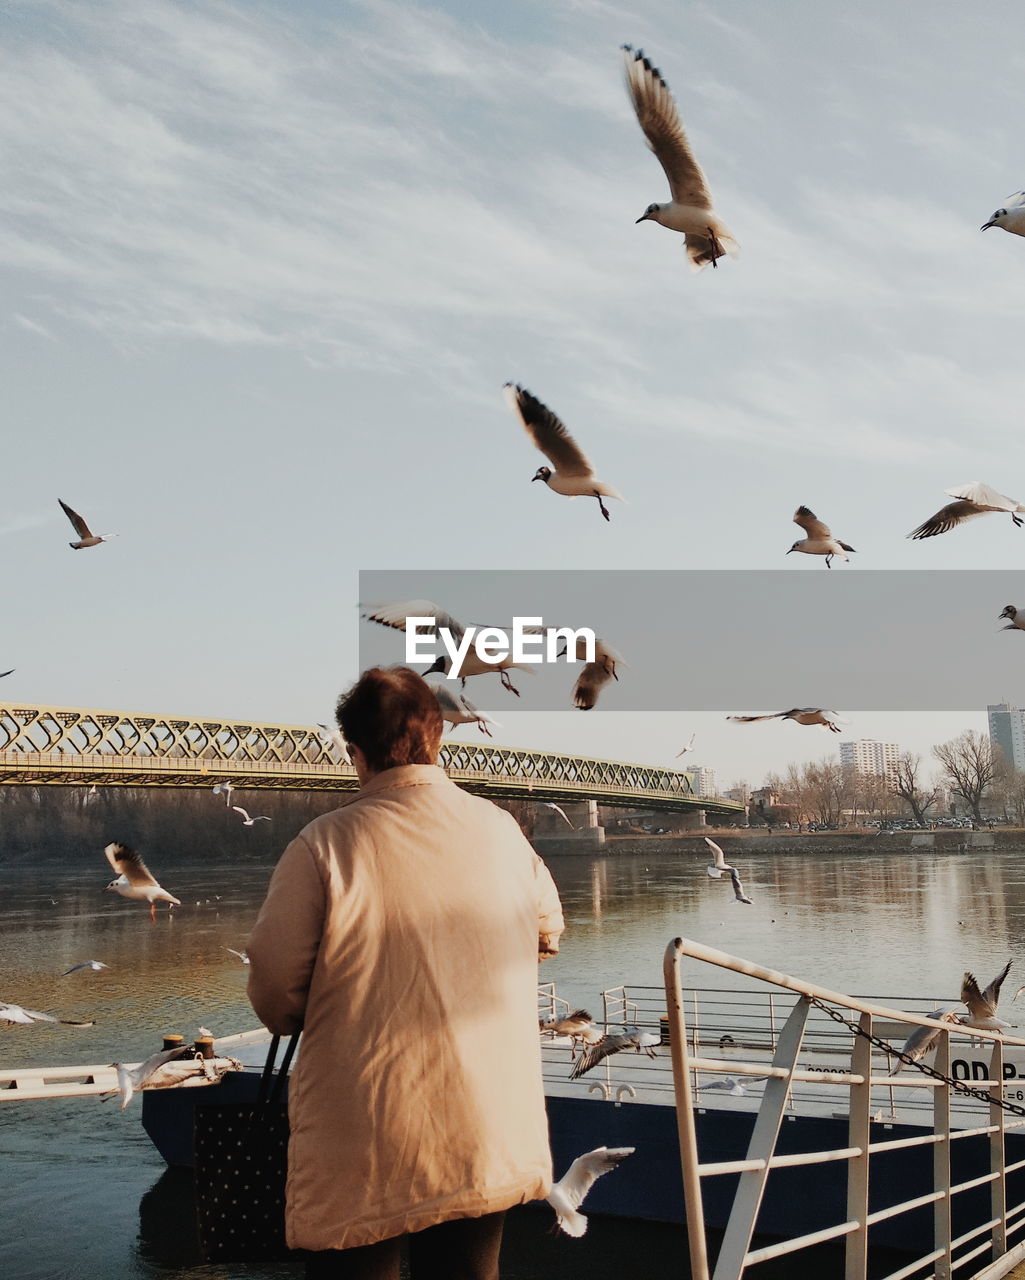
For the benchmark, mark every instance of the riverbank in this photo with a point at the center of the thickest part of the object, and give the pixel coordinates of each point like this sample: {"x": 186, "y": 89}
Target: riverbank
{"x": 821, "y": 843}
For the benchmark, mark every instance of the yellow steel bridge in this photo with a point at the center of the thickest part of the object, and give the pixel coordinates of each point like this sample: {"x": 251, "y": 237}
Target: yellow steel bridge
{"x": 63, "y": 746}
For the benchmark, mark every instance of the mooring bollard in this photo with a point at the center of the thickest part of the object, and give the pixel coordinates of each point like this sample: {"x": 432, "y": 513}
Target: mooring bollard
{"x": 205, "y": 1045}
{"x": 173, "y": 1042}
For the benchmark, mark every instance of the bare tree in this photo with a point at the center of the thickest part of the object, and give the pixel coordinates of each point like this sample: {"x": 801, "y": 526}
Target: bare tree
{"x": 969, "y": 766}
{"x": 904, "y": 783}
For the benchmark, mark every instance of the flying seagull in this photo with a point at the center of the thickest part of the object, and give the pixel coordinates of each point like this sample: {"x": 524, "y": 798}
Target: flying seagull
{"x": 394, "y": 614}
{"x": 738, "y": 889}
{"x": 922, "y": 1039}
{"x": 595, "y": 675}
{"x": 568, "y": 1193}
{"x": 548, "y": 804}
{"x": 247, "y": 821}
{"x": 223, "y": 789}
{"x": 134, "y": 879}
{"x": 719, "y": 865}
{"x": 688, "y": 747}
{"x": 982, "y": 1005}
{"x": 820, "y": 540}
{"x": 15, "y": 1013}
{"x": 629, "y": 1038}
{"x": 1011, "y": 217}
{"x": 690, "y": 210}
{"x": 573, "y": 476}
{"x": 7, "y": 673}
{"x": 802, "y": 715}
{"x": 95, "y": 965}
{"x": 1016, "y": 616}
{"x": 333, "y": 738}
{"x": 579, "y": 1026}
{"x": 131, "y": 1078}
{"x": 86, "y": 536}
{"x": 456, "y": 710}
{"x": 728, "y": 1084}
{"x": 974, "y": 499}
{"x": 242, "y": 955}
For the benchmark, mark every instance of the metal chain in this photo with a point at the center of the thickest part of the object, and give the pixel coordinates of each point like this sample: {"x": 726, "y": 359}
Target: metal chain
{"x": 959, "y": 1086}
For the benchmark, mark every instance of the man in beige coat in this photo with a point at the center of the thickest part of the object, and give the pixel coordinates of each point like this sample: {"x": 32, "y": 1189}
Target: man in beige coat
{"x": 401, "y": 935}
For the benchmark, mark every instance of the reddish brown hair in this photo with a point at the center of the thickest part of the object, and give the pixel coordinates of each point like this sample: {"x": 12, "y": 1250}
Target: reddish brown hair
{"x": 392, "y": 715}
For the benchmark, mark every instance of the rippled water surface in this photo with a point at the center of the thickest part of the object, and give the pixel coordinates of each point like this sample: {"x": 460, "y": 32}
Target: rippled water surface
{"x": 91, "y": 1197}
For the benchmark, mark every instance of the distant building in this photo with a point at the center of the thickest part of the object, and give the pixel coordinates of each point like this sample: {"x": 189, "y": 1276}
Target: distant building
{"x": 866, "y": 756}
{"x": 1007, "y": 731}
{"x": 702, "y": 780}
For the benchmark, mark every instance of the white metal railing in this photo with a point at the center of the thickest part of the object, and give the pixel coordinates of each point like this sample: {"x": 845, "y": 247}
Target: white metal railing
{"x": 987, "y": 1244}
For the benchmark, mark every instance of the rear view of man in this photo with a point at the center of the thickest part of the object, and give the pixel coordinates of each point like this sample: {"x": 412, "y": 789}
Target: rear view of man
{"x": 401, "y": 934}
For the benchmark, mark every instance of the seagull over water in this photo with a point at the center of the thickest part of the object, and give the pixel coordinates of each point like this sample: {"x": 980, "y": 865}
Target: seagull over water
{"x": 982, "y": 1005}
{"x": 242, "y": 955}
{"x": 573, "y": 476}
{"x": 801, "y": 715}
{"x": 134, "y": 879}
{"x": 549, "y": 804}
{"x": 820, "y": 540}
{"x": 568, "y": 1193}
{"x": 1011, "y": 217}
{"x": 247, "y": 821}
{"x": 86, "y": 536}
{"x": 690, "y": 210}
{"x": 719, "y": 866}
{"x": 95, "y": 965}
{"x": 223, "y": 789}
{"x": 974, "y": 499}
{"x": 15, "y": 1013}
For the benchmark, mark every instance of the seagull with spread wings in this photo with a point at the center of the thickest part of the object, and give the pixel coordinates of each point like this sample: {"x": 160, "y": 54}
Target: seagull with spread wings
{"x": 134, "y": 879}
{"x": 247, "y": 821}
{"x": 15, "y": 1013}
{"x": 973, "y": 499}
{"x": 706, "y": 236}
{"x": 86, "y": 536}
{"x": 242, "y": 955}
{"x": 820, "y": 540}
{"x": 550, "y": 804}
{"x": 718, "y": 867}
{"x": 688, "y": 747}
{"x": 922, "y": 1039}
{"x": 456, "y": 710}
{"x": 629, "y": 1038}
{"x": 579, "y": 1026}
{"x": 595, "y": 675}
{"x": 982, "y": 1005}
{"x": 95, "y": 965}
{"x": 800, "y": 715}
{"x": 568, "y": 1193}
{"x": 573, "y": 476}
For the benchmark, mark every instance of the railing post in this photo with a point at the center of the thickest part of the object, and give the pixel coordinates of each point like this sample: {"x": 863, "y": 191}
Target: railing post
{"x": 744, "y": 1214}
{"x": 941, "y": 1160}
{"x": 998, "y": 1187}
{"x": 685, "y": 1124}
{"x": 859, "y": 1135}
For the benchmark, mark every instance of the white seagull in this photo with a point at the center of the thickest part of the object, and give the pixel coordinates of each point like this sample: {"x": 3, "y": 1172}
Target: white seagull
{"x": 688, "y": 747}
{"x": 242, "y": 955}
{"x": 333, "y": 738}
{"x": 131, "y": 1078}
{"x": 974, "y": 499}
{"x": 579, "y": 1026}
{"x": 95, "y": 965}
{"x": 922, "y": 1039}
{"x": 247, "y": 821}
{"x": 15, "y": 1013}
{"x": 548, "y": 804}
{"x": 568, "y": 1193}
{"x": 728, "y": 1084}
{"x": 573, "y": 476}
{"x": 629, "y": 1038}
{"x": 738, "y": 889}
{"x": 595, "y": 675}
{"x": 801, "y": 715}
{"x": 1011, "y": 217}
{"x": 982, "y": 1005}
{"x": 820, "y": 540}
{"x": 1016, "y": 616}
{"x": 456, "y": 710}
{"x": 223, "y": 789}
{"x": 690, "y": 210}
{"x": 394, "y": 614}
{"x": 719, "y": 866}
{"x": 134, "y": 879}
{"x": 86, "y": 536}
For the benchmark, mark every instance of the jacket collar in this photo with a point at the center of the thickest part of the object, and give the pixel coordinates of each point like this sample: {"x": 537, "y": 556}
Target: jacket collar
{"x": 405, "y": 775}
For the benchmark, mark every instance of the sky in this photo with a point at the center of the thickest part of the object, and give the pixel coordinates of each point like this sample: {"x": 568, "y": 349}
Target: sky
{"x": 265, "y": 269}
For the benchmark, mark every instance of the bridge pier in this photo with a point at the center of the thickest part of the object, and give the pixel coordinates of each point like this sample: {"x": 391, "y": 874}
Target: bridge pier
{"x": 692, "y": 821}
{"x": 587, "y": 835}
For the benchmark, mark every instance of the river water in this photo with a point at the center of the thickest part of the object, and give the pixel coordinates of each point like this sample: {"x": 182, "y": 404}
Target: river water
{"x": 84, "y": 1193}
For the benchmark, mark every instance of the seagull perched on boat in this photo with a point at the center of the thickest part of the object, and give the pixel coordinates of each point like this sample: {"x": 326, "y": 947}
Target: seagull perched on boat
{"x": 86, "y": 536}
{"x": 974, "y": 499}
{"x": 548, "y": 804}
{"x": 922, "y": 1039}
{"x": 134, "y": 879}
{"x": 15, "y": 1013}
{"x": 242, "y": 955}
{"x": 820, "y": 540}
{"x": 982, "y": 1005}
{"x": 394, "y": 614}
{"x": 706, "y": 236}
{"x": 688, "y": 747}
{"x": 95, "y": 965}
{"x": 568, "y": 1193}
{"x": 247, "y": 821}
{"x": 579, "y": 1026}
{"x": 456, "y": 710}
{"x": 1016, "y": 616}
{"x": 223, "y": 789}
{"x": 801, "y": 715}
{"x": 629, "y": 1038}
{"x": 1011, "y": 217}
{"x": 573, "y": 476}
